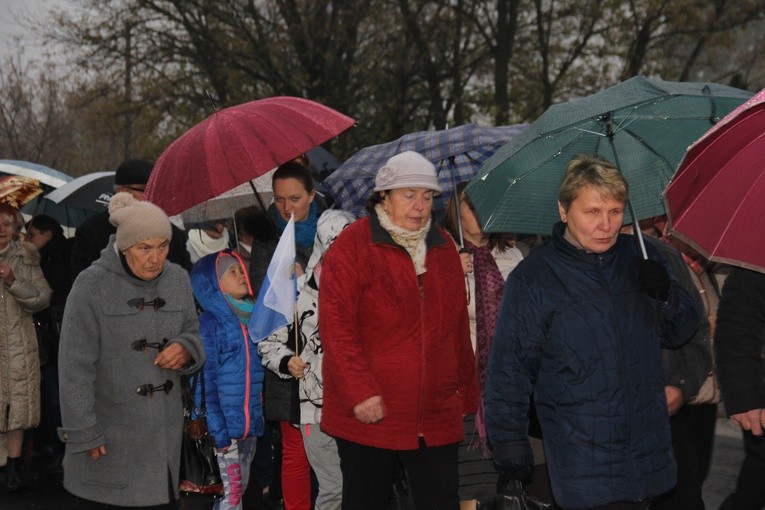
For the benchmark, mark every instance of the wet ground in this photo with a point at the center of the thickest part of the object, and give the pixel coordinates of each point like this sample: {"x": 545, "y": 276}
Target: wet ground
{"x": 44, "y": 490}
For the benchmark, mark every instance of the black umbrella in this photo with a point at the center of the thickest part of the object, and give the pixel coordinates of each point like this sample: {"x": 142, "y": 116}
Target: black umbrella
{"x": 90, "y": 192}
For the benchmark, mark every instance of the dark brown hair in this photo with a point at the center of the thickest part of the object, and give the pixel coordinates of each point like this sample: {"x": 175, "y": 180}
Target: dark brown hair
{"x": 451, "y": 224}
{"x": 294, "y": 170}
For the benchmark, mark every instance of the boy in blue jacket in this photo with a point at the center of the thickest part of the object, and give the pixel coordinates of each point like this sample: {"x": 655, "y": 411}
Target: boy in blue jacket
{"x": 233, "y": 370}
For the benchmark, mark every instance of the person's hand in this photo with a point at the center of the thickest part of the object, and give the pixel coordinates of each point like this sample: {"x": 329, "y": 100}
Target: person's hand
{"x": 6, "y": 274}
{"x": 370, "y": 411}
{"x": 467, "y": 262}
{"x": 654, "y": 279}
{"x": 674, "y": 398}
{"x": 95, "y": 453}
{"x": 297, "y": 367}
{"x": 173, "y": 357}
{"x": 753, "y": 421}
{"x": 511, "y": 479}
{"x": 230, "y": 448}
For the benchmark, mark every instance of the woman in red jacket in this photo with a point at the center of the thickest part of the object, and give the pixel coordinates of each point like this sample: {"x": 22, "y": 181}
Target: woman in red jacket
{"x": 399, "y": 370}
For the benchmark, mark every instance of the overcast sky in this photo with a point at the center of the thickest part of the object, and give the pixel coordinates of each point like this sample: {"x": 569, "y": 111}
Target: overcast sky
{"x": 12, "y": 16}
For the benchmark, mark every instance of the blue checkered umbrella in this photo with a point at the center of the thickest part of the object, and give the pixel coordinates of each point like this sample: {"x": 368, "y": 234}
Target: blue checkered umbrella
{"x": 458, "y": 153}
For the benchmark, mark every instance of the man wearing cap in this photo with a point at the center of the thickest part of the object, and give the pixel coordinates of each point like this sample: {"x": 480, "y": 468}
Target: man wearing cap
{"x": 93, "y": 235}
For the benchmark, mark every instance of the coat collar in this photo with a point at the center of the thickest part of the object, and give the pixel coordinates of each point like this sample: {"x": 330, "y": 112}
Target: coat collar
{"x": 580, "y": 256}
{"x": 380, "y": 235}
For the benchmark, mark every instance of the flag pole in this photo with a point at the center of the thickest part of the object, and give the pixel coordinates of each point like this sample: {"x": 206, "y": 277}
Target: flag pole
{"x": 297, "y": 350}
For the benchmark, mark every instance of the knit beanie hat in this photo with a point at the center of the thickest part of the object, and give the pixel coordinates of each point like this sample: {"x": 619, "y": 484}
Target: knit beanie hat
{"x": 222, "y": 264}
{"x": 137, "y": 220}
{"x": 407, "y": 170}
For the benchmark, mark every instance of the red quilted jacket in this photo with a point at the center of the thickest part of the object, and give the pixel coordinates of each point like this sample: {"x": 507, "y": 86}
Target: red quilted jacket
{"x": 388, "y": 332}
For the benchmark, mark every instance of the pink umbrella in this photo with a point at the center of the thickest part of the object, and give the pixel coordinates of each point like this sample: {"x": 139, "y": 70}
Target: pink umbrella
{"x": 238, "y": 144}
{"x": 716, "y": 200}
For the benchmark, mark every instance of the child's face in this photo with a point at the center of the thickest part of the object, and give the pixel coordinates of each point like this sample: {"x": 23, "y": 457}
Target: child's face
{"x": 234, "y": 282}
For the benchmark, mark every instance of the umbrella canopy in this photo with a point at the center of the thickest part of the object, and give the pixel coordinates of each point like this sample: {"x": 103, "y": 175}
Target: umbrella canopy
{"x": 47, "y": 176}
{"x": 90, "y": 192}
{"x": 16, "y": 190}
{"x": 238, "y": 144}
{"x": 69, "y": 217}
{"x": 643, "y": 126}
{"x": 322, "y": 163}
{"x": 458, "y": 153}
{"x": 716, "y": 201}
{"x": 226, "y": 204}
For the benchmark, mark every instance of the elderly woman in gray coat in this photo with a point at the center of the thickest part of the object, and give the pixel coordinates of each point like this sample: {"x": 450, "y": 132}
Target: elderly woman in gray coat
{"x": 129, "y": 332}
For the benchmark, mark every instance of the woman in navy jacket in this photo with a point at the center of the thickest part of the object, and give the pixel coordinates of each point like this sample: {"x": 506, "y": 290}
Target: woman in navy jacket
{"x": 581, "y": 324}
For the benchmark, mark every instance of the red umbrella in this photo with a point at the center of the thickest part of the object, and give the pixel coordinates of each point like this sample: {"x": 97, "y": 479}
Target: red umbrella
{"x": 237, "y": 144}
{"x": 716, "y": 201}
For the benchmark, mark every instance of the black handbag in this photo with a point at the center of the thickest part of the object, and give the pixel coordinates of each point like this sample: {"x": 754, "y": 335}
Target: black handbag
{"x": 514, "y": 497}
{"x": 200, "y": 474}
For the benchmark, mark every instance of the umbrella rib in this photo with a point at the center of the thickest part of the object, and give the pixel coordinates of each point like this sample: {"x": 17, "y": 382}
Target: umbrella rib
{"x": 640, "y": 140}
{"x": 544, "y": 162}
{"x": 589, "y": 131}
{"x": 741, "y": 202}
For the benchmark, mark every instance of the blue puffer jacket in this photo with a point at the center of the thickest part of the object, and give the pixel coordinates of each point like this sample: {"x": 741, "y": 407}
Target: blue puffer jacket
{"x": 575, "y": 328}
{"x": 233, "y": 370}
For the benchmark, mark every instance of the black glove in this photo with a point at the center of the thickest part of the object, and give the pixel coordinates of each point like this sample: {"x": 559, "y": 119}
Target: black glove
{"x": 513, "y": 478}
{"x": 654, "y": 279}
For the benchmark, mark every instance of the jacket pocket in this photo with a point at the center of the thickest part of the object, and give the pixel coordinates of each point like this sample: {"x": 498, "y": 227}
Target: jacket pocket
{"x": 110, "y": 469}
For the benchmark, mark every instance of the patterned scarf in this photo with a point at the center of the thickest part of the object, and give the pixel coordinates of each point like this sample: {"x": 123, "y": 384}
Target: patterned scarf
{"x": 489, "y": 286}
{"x": 412, "y": 241}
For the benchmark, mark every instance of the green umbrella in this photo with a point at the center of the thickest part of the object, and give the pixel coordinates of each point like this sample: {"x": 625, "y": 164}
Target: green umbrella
{"x": 643, "y": 126}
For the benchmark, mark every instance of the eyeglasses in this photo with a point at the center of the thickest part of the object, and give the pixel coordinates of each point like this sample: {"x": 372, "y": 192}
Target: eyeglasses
{"x": 148, "y": 389}
{"x": 140, "y": 303}
{"x": 7, "y": 224}
{"x": 143, "y": 344}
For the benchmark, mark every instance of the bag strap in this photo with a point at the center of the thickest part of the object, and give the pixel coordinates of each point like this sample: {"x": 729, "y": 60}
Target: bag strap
{"x": 188, "y": 390}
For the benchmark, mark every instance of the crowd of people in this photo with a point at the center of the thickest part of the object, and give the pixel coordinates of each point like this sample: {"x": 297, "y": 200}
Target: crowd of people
{"x": 469, "y": 369}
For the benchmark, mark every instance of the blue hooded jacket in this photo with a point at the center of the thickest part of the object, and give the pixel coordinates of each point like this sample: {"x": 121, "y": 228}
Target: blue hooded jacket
{"x": 233, "y": 370}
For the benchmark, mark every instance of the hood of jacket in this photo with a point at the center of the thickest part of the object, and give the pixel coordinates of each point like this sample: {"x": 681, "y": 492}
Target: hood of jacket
{"x": 204, "y": 283}
{"x": 329, "y": 226}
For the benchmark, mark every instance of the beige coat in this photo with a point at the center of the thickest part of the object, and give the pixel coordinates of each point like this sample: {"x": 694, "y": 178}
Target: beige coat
{"x": 19, "y": 359}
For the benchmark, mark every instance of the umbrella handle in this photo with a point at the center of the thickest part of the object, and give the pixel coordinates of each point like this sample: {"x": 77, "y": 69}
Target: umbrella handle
{"x": 638, "y": 232}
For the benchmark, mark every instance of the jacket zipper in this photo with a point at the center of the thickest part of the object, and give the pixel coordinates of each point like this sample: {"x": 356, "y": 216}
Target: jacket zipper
{"x": 246, "y": 382}
{"x": 622, "y": 365}
{"x": 424, "y": 367}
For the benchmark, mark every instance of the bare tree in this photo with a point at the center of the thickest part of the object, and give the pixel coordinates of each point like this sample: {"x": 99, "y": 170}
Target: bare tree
{"x": 34, "y": 115}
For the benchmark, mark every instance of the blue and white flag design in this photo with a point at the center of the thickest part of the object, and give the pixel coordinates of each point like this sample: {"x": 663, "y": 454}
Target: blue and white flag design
{"x": 275, "y": 306}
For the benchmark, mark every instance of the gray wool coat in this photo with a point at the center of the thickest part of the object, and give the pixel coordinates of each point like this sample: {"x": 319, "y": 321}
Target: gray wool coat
{"x": 99, "y": 373}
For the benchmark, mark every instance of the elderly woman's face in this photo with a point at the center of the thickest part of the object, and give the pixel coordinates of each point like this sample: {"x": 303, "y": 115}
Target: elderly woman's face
{"x": 7, "y": 229}
{"x": 291, "y": 196}
{"x": 593, "y": 220}
{"x": 147, "y": 258}
{"x": 408, "y": 208}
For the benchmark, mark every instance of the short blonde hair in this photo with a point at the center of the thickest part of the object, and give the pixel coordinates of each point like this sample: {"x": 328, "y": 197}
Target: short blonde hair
{"x": 591, "y": 170}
